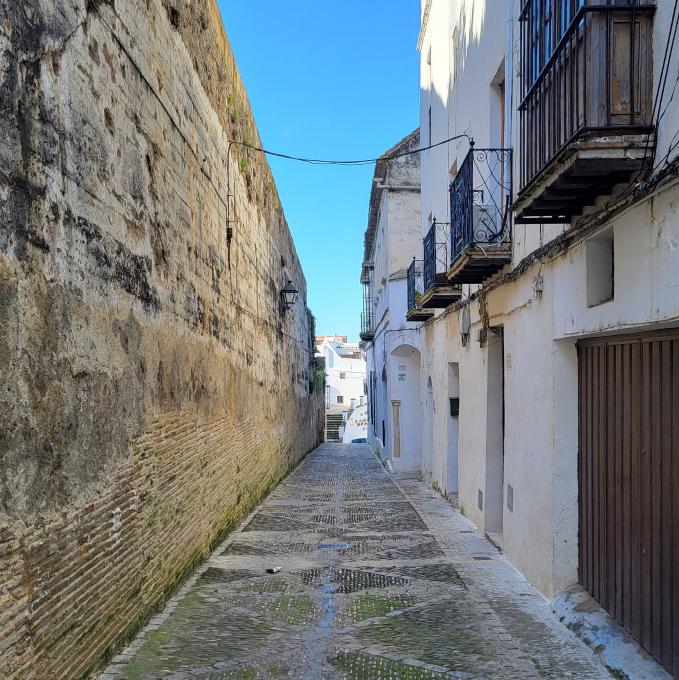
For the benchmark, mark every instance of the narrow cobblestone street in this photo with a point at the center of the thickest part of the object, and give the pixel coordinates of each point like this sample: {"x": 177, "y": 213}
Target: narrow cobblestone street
{"x": 377, "y": 580}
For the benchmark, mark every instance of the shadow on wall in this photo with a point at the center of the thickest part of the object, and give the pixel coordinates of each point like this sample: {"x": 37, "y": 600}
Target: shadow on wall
{"x": 471, "y": 18}
{"x": 469, "y": 21}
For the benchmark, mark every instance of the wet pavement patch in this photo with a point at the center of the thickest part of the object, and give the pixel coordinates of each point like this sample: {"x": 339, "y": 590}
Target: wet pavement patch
{"x": 360, "y": 666}
{"x": 347, "y": 580}
{"x": 376, "y": 605}
{"x": 427, "y": 549}
{"x": 268, "y": 548}
{"x": 445, "y": 573}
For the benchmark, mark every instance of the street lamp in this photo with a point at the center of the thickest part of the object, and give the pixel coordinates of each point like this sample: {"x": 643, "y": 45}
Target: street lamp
{"x": 288, "y": 295}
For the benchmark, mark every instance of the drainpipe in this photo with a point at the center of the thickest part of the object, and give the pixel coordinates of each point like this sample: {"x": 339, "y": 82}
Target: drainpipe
{"x": 509, "y": 74}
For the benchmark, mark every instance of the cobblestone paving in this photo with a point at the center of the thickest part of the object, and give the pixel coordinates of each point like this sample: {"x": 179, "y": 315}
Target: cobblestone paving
{"x": 378, "y": 580}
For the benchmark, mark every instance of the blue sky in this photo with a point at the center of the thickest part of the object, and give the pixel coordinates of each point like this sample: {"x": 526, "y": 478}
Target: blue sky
{"x": 331, "y": 80}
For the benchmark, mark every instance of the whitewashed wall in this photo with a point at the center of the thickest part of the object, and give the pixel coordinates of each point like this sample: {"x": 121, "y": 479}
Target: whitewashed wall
{"x": 539, "y": 361}
{"x": 352, "y": 385}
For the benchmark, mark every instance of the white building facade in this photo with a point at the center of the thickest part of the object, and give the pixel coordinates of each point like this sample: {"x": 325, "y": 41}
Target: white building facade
{"x": 391, "y": 342}
{"x": 344, "y": 371}
{"x": 549, "y": 374}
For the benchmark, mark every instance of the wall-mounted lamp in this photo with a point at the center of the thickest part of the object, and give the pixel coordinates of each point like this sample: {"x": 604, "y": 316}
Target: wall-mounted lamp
{"x": 288, "y": 295}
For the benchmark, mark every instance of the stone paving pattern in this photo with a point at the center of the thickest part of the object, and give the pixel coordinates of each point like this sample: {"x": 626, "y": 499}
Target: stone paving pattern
{"x": 379, "y": 579}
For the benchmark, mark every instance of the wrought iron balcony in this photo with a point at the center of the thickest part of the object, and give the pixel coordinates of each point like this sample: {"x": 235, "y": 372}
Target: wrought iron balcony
{"x": 415, "y": 289}
{"x": 367, "y": 325}
{"x": 586, "y": 109}
{"x": 438, "y": 292}
{"x": 481, "y": 226}
{"x": 368, "y": 314}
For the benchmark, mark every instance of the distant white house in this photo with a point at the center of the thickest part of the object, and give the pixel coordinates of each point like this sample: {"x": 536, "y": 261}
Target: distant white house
{"x": 344, "y": 371}
{"x": 344, "y": 364}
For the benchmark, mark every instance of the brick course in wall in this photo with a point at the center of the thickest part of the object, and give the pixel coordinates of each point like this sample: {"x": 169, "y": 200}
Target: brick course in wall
{"x": 152, "y": 390}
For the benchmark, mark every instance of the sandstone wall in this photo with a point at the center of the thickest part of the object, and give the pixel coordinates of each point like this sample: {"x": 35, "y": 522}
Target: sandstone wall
{"x": 151, "y": 391}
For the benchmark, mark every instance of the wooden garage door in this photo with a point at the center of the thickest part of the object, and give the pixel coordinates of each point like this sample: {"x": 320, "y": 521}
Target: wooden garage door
{"x": 629, "y": 485}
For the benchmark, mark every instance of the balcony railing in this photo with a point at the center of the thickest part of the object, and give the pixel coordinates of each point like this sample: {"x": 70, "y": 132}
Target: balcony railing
{"x": 586, "y": 72}
{"x": 436, "y": 247}
{"x": 438, "y": 293}
{"x": 368, "y": 313}
{"x": 481, "y": 228}
{"x": 367, "y": 325}
{"x": 415, "y": 283}
{"x": 415, "y": 311}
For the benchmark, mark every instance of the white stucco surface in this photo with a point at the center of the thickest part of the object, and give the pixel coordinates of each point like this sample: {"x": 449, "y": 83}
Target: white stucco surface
{"x": 344, "y": 372}
{"x": 465, "y": 47}
{"x": 393, "y": 238}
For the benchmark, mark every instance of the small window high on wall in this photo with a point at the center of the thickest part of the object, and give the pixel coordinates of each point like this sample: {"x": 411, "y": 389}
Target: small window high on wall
{"x": 600, "y": 269}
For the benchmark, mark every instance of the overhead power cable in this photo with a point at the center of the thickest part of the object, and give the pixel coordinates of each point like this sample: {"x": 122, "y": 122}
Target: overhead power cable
{"x": 364, "y": 161}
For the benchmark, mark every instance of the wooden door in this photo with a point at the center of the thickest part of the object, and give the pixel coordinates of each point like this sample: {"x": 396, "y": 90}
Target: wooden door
{"x": 628, "y": 476}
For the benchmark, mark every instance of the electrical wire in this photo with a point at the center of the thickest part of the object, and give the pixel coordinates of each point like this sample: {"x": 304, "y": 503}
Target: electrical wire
{"x": 365, "y": 161}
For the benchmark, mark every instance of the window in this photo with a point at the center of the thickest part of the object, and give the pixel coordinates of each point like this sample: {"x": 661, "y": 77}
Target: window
{"x": 547, "y": 21}
{"x": 343, "y": 376}
{"x": 340, "y": 399}
{"x": 600, "y": 270}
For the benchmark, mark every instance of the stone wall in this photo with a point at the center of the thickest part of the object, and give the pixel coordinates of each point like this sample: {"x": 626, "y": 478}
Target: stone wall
{"x": 151, "y": 389}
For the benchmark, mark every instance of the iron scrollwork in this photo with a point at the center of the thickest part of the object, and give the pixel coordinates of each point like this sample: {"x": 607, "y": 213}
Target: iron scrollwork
{"x": 480, "y": 196}
{"x": 436, "y": 248}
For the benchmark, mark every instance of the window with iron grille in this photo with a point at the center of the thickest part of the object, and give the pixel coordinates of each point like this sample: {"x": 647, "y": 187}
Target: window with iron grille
{"x": 545, "y": 23}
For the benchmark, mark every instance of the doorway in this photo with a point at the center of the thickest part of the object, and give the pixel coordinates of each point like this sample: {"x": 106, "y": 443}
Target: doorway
{"x": 453, "y": 428}
{"x": 405, "y": 420}
{"x": 628, "y": 470}
{"x": 495, "y": 436}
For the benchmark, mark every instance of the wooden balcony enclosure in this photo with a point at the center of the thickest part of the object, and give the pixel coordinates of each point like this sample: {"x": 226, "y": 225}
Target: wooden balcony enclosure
{"x": 586, "y": 113}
